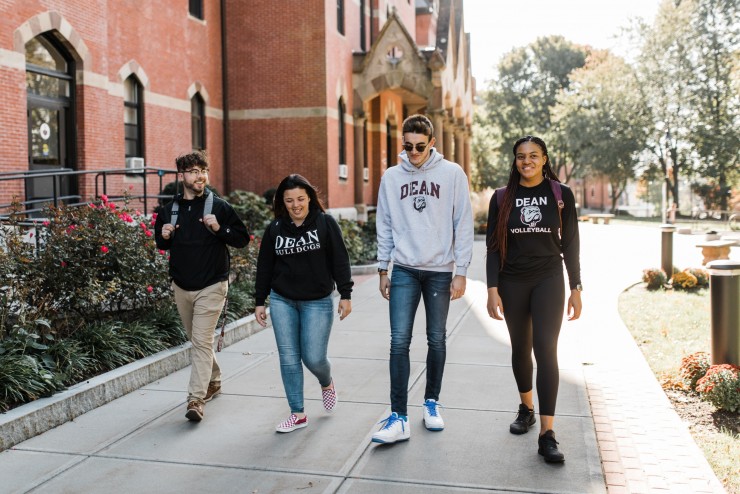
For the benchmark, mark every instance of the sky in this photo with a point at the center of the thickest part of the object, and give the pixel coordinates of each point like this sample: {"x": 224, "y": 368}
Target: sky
{"x": 497, "y": 26}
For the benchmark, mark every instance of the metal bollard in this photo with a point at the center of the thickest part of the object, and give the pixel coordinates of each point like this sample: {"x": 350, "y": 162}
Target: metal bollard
{"x": 666, "y": 249}
{"x": 724, "y": 288}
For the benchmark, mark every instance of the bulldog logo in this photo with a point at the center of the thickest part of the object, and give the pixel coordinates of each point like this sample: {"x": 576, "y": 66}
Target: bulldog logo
{"x": 420, "y": 203}
{"x": 530, "y": 215}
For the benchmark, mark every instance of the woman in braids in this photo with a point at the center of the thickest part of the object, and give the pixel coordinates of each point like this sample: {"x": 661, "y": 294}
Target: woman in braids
{"x": 532, "y": 228}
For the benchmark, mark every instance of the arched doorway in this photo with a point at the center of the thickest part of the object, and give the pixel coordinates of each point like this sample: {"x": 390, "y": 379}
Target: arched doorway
{"x": 50, "y": 99}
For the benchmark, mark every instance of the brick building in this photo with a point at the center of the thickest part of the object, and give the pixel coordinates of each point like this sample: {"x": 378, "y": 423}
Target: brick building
{"x": 318, "y": 87}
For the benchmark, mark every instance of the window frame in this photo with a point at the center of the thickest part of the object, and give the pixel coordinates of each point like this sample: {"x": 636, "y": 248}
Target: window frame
{"x": 138, "y": 106}
{"x": 197, "y": 122}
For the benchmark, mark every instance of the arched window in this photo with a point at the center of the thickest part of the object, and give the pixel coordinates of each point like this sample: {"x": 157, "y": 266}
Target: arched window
{"x": 342, "y": 134}
{"x": 133, "y": 117}
{"x": 198, "y": 120}
{"x": 50, "y": 90}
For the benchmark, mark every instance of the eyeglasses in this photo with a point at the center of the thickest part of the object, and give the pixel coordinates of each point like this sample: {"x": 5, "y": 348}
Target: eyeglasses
{"x": 195, "y": 172}
{"x": 420, "y": 147}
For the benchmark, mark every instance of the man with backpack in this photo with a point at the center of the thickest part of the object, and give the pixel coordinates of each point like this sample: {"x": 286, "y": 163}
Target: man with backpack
{"x": 196, "y": 227}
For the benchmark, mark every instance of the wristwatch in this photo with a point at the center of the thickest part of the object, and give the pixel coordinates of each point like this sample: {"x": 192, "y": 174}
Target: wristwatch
{"x": 579, "y": 287}
{"x": 382, "y": 271}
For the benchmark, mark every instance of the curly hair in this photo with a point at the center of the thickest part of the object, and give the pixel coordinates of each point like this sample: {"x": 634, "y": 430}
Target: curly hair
{"x": 195, "y": 159}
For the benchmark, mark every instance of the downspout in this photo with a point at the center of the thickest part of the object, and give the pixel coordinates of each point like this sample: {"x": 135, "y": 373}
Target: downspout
{"x": 225, "y": 101}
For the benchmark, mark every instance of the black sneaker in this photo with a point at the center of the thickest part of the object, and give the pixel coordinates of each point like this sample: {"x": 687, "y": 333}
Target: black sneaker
{"x": 524, "y": 420}
{"x": 548, "y": 447}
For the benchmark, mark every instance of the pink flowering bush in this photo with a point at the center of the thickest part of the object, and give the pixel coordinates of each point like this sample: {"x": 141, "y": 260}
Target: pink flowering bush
{"x": 721, "y": 387}
{"x": 88, "y": 262}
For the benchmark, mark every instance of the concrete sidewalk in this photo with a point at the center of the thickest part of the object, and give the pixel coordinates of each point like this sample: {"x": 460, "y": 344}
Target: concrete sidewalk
{"x": 612, "y": 415}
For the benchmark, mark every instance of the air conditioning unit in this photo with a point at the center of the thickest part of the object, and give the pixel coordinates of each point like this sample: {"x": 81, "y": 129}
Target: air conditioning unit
{"x": 343, "y": 171}
{"x": 135, "y": 165}
{"x": 366, "y": 174}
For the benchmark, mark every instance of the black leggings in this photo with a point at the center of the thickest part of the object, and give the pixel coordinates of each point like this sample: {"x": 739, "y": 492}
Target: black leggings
{"x": 534, "y": 313}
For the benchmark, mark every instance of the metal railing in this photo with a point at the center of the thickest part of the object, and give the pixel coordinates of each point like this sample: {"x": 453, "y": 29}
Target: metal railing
{"x": 34, "y": 206}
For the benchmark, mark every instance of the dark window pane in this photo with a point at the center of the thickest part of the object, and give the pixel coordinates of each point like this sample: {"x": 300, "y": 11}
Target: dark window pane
{"x": 196, "y": 8}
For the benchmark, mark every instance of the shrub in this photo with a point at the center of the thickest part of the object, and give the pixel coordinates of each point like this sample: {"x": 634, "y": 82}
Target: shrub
{"x": 694, "y": 367}
{"x": 655, "y": 278}
{"x": 721, "y": 387}
{"x": 252, "y": 209}
{"x": 360, "y": 240}
{"x": 684, "y": 281}
{"x": 701, "y": 275}
{"x": 481, "y": 222}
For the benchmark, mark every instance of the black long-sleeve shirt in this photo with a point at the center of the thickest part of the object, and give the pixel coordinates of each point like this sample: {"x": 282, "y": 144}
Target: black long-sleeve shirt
{"x": 199, "y": 258}
{"x": 303, "y": 262}
{"x": 534, "y": 248}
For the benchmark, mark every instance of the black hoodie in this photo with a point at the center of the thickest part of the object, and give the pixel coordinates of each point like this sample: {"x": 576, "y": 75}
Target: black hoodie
{"x": 303, "y": 262}
{"x": 199, "y": 258}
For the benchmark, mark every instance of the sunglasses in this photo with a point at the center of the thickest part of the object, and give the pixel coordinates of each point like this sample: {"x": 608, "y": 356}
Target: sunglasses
{"x": 420, "y": 147}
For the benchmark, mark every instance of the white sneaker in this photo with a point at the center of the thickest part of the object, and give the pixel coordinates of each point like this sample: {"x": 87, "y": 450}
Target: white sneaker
{"x": 432, "y": 419}
{"x": 394, "y": 429}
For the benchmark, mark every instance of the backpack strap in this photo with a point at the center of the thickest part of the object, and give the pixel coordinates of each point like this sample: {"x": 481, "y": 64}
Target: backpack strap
{"x": 557, "y": 191}
{"x": 207, "y": 208}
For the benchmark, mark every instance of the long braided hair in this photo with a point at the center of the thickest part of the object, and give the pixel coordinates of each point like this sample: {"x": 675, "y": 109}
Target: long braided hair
{"x": 497, "y": 240}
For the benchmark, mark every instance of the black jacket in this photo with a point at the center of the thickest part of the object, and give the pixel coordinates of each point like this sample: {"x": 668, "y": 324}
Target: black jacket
{"x": 303, "y": 262}
{"x": 198, "y": 258}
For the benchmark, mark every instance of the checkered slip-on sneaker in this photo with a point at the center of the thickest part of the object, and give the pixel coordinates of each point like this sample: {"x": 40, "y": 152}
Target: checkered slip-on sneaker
{"x": 329, "y": 398}
{"x": 292, "y": 423}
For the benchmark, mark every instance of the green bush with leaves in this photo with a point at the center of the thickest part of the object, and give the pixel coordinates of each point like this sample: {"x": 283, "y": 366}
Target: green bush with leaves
{"x": 360, "y": 240}
{"x": 655, "y": 278}
{"x": 721, "y": 387}
{"x": 252, "y": 209}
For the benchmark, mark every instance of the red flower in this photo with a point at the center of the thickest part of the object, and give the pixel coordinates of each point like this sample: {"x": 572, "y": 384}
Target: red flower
{"x": 143, "y": 225}
{"x": 104, "y": 198}
{"x": 154, "y": 216}
{"x": 148, "y": 233}
{"x": 112, "y": 205}
{"x": 130, "y": 187}
{"x": 30, "y": 235}
{"x": 251, "y": 237}
{"x": 103, "y": 249}
{"x": 45, "y": 222}
{"x": 92, "y": 205}
{"x": 162, "y": 252}
{"x": 150, "y": 289}
{"x": 63, "y": 264}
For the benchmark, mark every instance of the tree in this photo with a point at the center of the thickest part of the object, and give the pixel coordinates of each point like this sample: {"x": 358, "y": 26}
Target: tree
{"x": 520, "y": 100}
{"x": 715, "y": 98}
{"x": 665, "y": 73}
{"x": 604, "y": 119}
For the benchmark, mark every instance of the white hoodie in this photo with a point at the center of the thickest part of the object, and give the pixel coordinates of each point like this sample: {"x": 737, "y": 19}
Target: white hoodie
{"x": 424, "y": 219}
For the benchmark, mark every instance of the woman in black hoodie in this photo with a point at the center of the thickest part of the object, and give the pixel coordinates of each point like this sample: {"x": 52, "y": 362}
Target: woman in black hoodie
{"x": 301, "y": 258}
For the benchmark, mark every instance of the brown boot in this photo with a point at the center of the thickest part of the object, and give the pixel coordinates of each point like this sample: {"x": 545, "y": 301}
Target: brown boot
{"x": 195, "y": 411}
{"x": 214, "y": 389}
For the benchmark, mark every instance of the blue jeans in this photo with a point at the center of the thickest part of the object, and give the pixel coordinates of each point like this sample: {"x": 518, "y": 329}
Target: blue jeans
{"x": 302, "y": 329}
{"x": 408, "y": 285}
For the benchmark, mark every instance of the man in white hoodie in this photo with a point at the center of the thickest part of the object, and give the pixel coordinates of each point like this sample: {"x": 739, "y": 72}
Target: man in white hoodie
{"x": 425, "y": 228}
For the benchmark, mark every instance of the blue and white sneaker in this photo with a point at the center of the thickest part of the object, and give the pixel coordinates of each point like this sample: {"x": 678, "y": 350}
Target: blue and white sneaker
{"x": 395, "y": 428}
{"x": 432, "y": 419}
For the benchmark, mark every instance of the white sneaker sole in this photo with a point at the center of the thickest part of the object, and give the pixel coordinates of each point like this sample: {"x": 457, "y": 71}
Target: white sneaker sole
{"x": 383, "y": 441}
{"x": 295, "y": 427}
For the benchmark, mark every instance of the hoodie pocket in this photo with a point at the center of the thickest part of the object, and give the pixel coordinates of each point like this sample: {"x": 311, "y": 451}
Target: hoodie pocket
{"x": 420, "y": 247}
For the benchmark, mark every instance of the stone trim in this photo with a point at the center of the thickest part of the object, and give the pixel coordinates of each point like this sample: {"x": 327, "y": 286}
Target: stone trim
{"x": 52, "y": 21}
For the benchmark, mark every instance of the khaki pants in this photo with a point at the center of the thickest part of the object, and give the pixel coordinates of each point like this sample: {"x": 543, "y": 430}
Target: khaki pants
{"x": 199, "y": 311}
